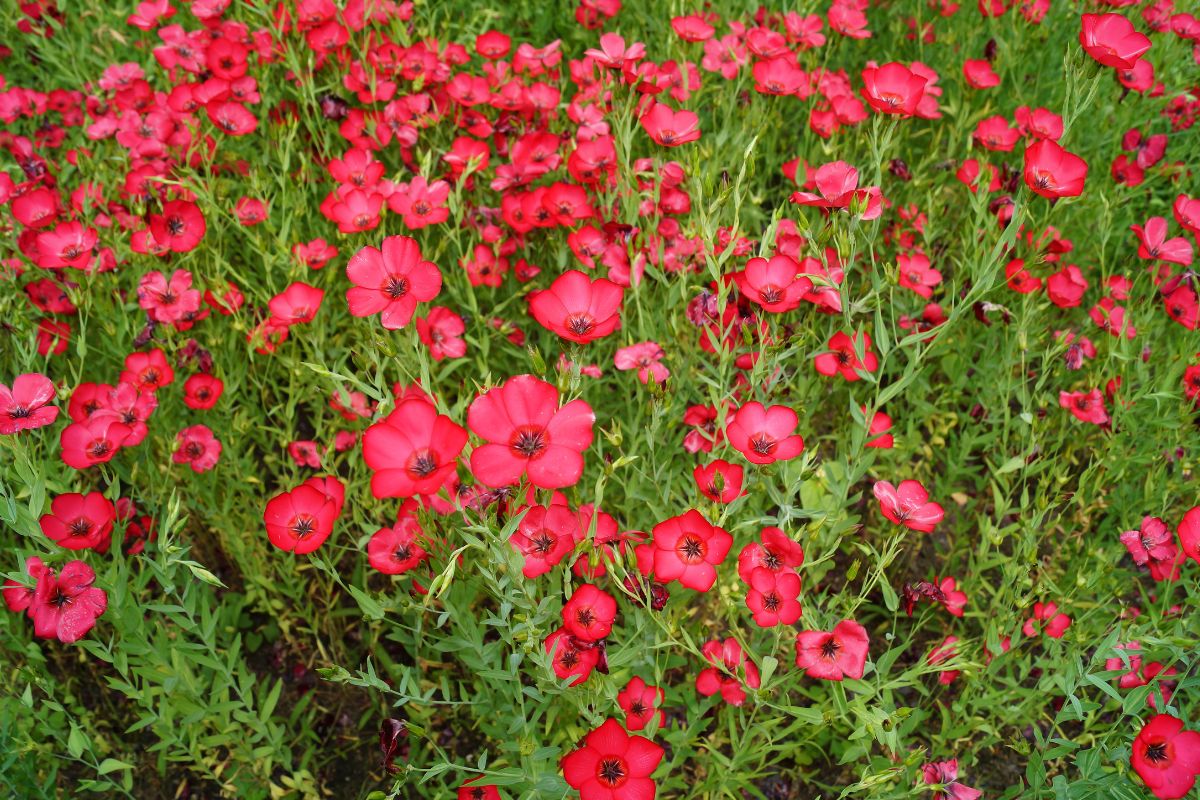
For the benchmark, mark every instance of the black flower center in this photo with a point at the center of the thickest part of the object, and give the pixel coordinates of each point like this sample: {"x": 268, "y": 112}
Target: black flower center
{"x": 611, "y": 771}
{"x": 691, "y": 549}
{"x": 422, "y": 464}
{"x": 829, "y": 649}
{"x": 1156, "y": 753}
{"x": 395, "y": 287}
{"x": 529, "y": 442}
{"x": 581, "y": 324}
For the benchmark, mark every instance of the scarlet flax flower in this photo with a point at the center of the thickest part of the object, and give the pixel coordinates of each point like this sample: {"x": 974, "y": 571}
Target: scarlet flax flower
{"x": 390, "y": 282}
{"x": 834, "y": 655}
{"x": 526, "y": 433}
{"x": 611, "y": 764}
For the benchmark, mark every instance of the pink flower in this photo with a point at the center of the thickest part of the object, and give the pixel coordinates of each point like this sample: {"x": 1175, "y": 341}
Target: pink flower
{"x": 391, "y": 282}
{"x": 765, "y": 435}
{"x": 66, "y": 607}
{"x": 26, "y": 406}
{"x": 526, "y": 433}
{"x": 670, "y": 128}
{"x": 908, "y": 505}
{"x": 1055, "y": 624}
{"x": 197, "y": 447}
{"x": 835, "y": 655}
{"x": 646, "y": 358}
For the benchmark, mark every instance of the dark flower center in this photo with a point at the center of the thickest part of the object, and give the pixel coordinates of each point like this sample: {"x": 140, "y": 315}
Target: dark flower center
{"x": 303, "y": 525}
{"x": 691, "y": 549}
{"x": 422, "y": 464}
{"x": 830, "y": 647}
{"x": 99, "y": 448}
{"x": 80, "y": 527}
{"x": 175, "y": 226}
{"x": 194, "y": 449}
{"x": 581, "y": 324}
{"x": 667, "y": 137}
{"x": 611, "y": 771}
{"x": 543, "y": 542}
{"x": 403, "y": 553}
{"x": 770, "y": 294}
{"x": 529, "y": 442}
{"x": 421, "y": 207}
{"x": 1156, "y": 753}
{"x": 770, "y": 560}
{"x": 585, "y": 617}
{"x": 395, "y": 287}
{"x": 638, "y": 708}
{"x": 570, "y": 658}
{"x": 772, "y": 602}
{"x": 59, "y": 600}
{"x": 763, "y": 444}
{"x": 19, "y": 412}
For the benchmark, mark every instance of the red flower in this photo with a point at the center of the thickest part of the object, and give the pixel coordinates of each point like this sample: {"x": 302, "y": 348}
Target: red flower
{"x": 95, "y": 440}
{"x": 391, "y": 282}
{"x": 296, "y": 305}
{"x": 1189, "y": 534}
{"x": 646, "y": 358}
{"x": 17, "y": 596}
{"x": 168, "y": 300}
{"x": 180, "y": 226}
{"x": 881, "y": 423}
{"x": 1154, "y": 244}
{"x": 545, "y": 536}
{"x": 578, "y": 309}
{"x": 1154, "y": 545}
{"x": 837, "y": 184}
{"x": 688, "y": 548}
{"x": 412, "y": 451}
{"x": 916, "y": 274}
{"x": 774, "y": 597}
{"x": 612, "y": 765}
{"x": 26, "y": 406}
{"x": 943, "y": 775}
{"x": 979, "y": 74}
{"x": 1085, "y": 406}
{"x": 640, "y": 704}
{"x": 202, "y": 391}
{"x": 764, "y": 435}
{"x": 441, "y": 331}
{"x": 1112, "y": 40}
{"x": 66, "y": 607}
{"x": 569, "y": 659}
{"x": 833, "y": 656}
{"x": 775, "y": 552}
{"x": 396, "y": 550}
{"x": 670, "y": 128}
{"x": 589, "y": 615}
{"x": 893, "y": 89}
{"x": 148, "y": 371}
{"x": 1065, "y": 288}
{"x": 1053, "y": 172}
{"x": 473, "y": 791}
{"x": 1055, "y": 626}
{"x": 1166, "y": 757}
{"x": 720, "y": 481}
{"x": 198, "y": 448}
{"x": 843, "y": 359}
{"x": 773, "y": 284}
{"x": 80, "y": 522}
{"x": 526, "y": 433}
{"x": 727, "y": 660}
{"x": 301, "y": 520}
{"x": 908, "y": 505}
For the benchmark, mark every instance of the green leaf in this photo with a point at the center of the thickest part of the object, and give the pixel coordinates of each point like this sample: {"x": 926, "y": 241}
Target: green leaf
{"x": 112, "y": 765}
{"x": 370, "y": 608}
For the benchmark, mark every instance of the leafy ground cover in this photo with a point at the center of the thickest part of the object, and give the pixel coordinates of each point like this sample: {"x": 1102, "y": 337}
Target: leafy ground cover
{"x": 599, "y": 399}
